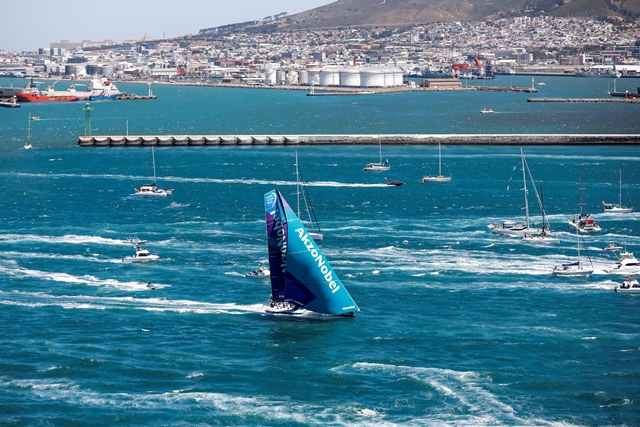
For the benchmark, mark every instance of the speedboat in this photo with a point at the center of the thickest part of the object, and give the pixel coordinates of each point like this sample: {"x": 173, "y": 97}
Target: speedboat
{"x": 141, "y": 255}
{"x": 629, "y": 286}
{"x": 585, "y": 224}
{"x": 261, "y": 271}
{"x": 396, "y": 183}
{"x": 611, "y": 247}
{"x": 627, "y": 264}
{"x": 487, "y": 110}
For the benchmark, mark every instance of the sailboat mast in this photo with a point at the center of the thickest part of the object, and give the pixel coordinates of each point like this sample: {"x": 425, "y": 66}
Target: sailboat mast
{"x": 580, "y": 190}
{"x": 153, "y": 159}
{"x": 298, "y": 183}
{"x": 439, "y": 160}
{"x": 524, "y": 181}
{"x": 29, "y": 130}
{"x": 620, "y": 190}
{"x": 380, "y": 147}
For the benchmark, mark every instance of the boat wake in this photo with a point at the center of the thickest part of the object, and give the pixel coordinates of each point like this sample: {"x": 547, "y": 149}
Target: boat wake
{"x": 86, "y": 302}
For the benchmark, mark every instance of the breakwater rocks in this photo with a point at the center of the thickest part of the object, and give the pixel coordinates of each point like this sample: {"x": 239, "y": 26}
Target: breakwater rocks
{"x": 387, "y": 139}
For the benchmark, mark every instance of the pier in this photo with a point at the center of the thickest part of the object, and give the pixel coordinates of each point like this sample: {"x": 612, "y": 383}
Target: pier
{"x": 363, "y": 139}
{"x": 622, "y": 100}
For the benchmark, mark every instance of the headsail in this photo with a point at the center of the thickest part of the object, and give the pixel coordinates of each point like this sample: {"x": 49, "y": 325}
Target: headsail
{"x": 300, "y": 274}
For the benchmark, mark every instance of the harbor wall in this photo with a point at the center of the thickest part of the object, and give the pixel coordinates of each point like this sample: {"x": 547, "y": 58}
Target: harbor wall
{"x": 363, "y": 139}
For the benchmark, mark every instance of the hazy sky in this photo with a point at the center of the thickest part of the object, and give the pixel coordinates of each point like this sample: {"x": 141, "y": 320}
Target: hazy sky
{"x": 36, "y": 23}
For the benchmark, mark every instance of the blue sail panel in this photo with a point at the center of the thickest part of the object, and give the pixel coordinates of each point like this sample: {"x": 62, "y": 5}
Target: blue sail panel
{"x": 310, "y": 281}
{"x": 277, "y": 243}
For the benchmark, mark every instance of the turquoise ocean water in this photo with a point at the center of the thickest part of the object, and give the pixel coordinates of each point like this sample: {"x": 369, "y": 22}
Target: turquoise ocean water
{"x": 458, "y": 326}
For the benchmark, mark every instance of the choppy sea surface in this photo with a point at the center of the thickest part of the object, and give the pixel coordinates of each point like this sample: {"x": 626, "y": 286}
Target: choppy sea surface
{"x": 458, "y": 326}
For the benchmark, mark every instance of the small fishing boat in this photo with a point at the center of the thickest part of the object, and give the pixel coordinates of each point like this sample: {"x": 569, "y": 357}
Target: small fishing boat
{"x": 628, "y": 286}
{"x": 141, "y": 255}
{"x": 301, "y": 277}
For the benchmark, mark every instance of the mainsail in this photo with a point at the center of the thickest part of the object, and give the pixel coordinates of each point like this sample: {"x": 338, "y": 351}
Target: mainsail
{"x": 300, "y": 274}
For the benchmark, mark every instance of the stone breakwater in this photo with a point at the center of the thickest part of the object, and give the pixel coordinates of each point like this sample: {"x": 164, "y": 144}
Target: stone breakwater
{"x": 387, "y": 139}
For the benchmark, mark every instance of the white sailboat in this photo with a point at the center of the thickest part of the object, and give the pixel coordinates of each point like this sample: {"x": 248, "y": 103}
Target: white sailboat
{"x": 617, "y": 208}
{"x": 439, "y": 177}
{"x": 574, "y": 269}
{"x": 301, "y": 191}
{"x": 153, "y": 189}
{"x": 513, "y": 228}
{"x": 583, "y": 221}
{"x": 27, "y": 145}
{"x": 378, "y": 167}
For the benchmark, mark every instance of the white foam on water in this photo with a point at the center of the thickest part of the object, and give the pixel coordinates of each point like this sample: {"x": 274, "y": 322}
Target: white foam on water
{"x": 465, "y": 397}
{"x": 154, "y": 304}
{"x": 68, "y": 238}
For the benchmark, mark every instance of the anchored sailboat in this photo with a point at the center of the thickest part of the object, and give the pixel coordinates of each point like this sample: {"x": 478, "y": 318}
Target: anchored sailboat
{"x": 440, "y": 177}
{"x": 27, "y": 145}
{"x": 574, "y": 269}
{"x": 378, "y": 167}
{"x": 301, "y": 277}
{"x": 512, "y": 228}
{"x": 153, "y": 189}
{"x": 583, "y": 221}
{"x": 612, "y": 207}
{"x": 301, "y": 190}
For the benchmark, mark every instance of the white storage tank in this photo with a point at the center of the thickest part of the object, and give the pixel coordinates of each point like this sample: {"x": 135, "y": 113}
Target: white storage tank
{"x": 398, "y": 80}
{"x": 292, "y": 77}
{"x": 303, "y": 77}
{"x": 329, "y": 76}
{"x": 388, "y": 77}
{"x": 350, "y": 77}
{"x": 371, "y": 77}
{"x": 270, "y": 76}
{"x": 280, "y": 76}
{"x": 313, "y": 76}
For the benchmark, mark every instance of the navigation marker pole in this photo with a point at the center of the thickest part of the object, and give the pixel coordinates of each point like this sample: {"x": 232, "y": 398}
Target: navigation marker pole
{"x": 87, "y": 119}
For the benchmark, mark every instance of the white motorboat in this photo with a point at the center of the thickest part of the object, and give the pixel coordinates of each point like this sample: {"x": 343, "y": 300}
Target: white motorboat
{"x": 583, "y": 222}
{"x": 628, "y": 286}
{"x": 612, "y": 247}
{"x": 378, "y": 167}
{"x": 141, "y": 255}
{"x": 486, "y": 110}
{"x": 617, "y": 208}
{"x": 439, "y": 177}
{"x": 153, "y": 189}
{"x": 260, "y": 271}
{"x": 627, "y": 264}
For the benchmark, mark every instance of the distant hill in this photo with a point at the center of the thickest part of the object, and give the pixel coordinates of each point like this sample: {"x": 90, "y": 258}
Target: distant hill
{"x": 409, "y": 12}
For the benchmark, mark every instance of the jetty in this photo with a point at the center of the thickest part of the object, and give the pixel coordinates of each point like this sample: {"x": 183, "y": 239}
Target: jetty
{"x": 363, "y": 139}
{"x": 623, "y": 100}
